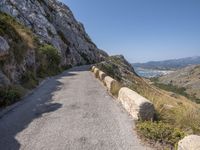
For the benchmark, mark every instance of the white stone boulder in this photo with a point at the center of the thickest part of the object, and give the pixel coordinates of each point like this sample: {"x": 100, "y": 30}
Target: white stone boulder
{"x": 139, "y": 107}
{"x": 102, "y": 75}
{"x": 93, "y": 67}
{"x": 191, "y": 142}
{"x": 112, "y": 85}
{"x": 96, "y": 72}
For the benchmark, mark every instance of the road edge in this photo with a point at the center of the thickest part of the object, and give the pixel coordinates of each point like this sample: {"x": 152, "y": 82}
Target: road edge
{"x": 22, "y": 100}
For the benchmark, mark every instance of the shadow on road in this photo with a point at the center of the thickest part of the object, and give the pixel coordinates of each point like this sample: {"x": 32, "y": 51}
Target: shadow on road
{"x": 32, "y": 107}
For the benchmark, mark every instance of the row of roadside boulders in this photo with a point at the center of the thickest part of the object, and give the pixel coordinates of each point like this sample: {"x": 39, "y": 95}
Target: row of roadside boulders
{"x": 139, "y": 107}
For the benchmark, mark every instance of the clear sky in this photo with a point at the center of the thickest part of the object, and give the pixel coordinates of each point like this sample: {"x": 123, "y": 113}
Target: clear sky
{"x": 142, "y": 30}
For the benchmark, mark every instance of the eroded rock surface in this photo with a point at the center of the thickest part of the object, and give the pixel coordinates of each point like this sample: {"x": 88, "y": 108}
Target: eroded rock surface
{"x": 53, "y": 22}
{"x": 4, "y": 47}
{"x": 27, "y": 25}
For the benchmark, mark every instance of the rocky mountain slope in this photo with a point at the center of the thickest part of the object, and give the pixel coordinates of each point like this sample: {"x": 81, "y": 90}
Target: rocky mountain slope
{"x": 172, "y": 64}
{"x": 37, "y": 39}
{"x": 188, "y": 78}
{"x": 54, "y": 23}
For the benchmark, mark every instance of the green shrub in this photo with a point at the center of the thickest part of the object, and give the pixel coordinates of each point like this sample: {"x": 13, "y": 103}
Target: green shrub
{"x": 172, "y": 88}
{"x": 29, "y": 80}
{"x": 49, "y": 60}
{"x": 9, "y": 96}
{"x": 160, "y": 132}
{"x": 110, "y": 69}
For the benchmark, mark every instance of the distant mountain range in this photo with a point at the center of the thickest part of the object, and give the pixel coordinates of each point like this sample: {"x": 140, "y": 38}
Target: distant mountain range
{"x": 172, "y": 64}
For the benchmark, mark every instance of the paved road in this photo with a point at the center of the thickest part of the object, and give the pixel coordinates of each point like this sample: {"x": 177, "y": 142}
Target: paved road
{"x": 71, "y": 111}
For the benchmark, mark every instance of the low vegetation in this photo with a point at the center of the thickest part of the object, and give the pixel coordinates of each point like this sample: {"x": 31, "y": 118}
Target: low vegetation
{"x": 29, "y": 80}
{"x": 9, "y": 95}
{"x": 170, "y": 87}
{"x": 185, "y": 79}
{"x": 175, "y": 89}
{"x": 160, "y": 132}
{"x": 49, "y": 59}
{"x": 172, "y": 112}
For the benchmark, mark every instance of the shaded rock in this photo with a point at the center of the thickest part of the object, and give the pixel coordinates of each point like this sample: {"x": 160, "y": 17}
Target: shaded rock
{"x": 4, "y": 47}
{"x": 4, "y": 81}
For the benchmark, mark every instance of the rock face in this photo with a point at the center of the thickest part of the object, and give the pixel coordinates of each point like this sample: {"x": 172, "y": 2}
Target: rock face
{"x": 4, "y": 81}
{"x": 191, "y": 142}
{"x": 4, "y": 47}
{"x": 26, "y": 25}
{"x": 54, "y": 23}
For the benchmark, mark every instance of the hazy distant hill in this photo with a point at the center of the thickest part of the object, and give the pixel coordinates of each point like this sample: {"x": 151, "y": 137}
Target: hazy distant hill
{"x": 169, "y": 64}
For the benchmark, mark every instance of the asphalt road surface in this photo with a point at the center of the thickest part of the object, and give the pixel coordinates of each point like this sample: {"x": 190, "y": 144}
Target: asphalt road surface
{"x": 71, "y": 111}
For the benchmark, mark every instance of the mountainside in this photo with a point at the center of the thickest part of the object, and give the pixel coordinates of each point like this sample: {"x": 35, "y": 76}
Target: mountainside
{"x": 37, "y": 39}
{"x": 188, "y": 78}
{"x": 173, "y": 109}
{"x": 172, "y": 64}
{"x": 53, "y": 22}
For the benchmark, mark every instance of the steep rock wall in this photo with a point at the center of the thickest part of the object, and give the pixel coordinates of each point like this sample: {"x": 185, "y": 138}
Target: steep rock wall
{"x": 47, "y": 22}
{"x": 54, "y": 23}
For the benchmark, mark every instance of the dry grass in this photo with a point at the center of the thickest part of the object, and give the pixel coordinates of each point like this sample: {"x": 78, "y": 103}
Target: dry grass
{"x": 171, "y": 108}
{"x": 22, "y": 38}
{"x": 178, "y": 111}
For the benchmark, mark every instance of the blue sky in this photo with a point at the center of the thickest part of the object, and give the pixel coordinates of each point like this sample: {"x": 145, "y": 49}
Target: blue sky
{"x": 142, "y": 30}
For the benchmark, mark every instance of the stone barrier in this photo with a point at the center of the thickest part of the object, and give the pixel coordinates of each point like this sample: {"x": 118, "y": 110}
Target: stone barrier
{"x": 93, "y": 67}
{"x": 112, "y": 85}
{"x": 139, "y": 107}
{"x": 102, "y": 75}
{"x": 191, "y": 142}
{"x": 96, "y": 72}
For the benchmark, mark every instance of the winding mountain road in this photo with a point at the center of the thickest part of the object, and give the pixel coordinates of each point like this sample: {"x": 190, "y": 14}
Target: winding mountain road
{"x": 71, "y": 111}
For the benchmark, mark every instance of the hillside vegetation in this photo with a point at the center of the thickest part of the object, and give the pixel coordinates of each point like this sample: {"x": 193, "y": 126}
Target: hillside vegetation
{"x": 177, "y": 113}
{"x": 187, "y": 79}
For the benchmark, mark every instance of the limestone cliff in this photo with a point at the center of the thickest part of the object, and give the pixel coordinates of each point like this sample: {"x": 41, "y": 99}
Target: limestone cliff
{"x": 51, "y": 22}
